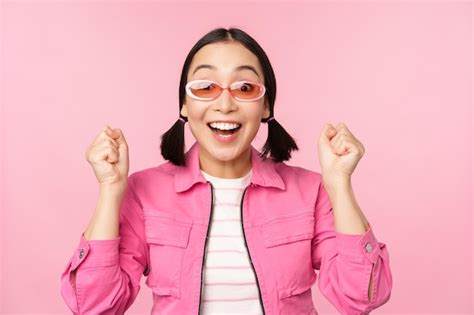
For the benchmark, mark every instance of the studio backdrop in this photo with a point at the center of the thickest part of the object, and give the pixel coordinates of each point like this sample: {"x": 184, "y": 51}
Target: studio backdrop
{"x": 397, "y": 73}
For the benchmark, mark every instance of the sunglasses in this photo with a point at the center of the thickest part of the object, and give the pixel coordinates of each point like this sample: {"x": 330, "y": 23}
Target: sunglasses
{"x": 207, "y": 90}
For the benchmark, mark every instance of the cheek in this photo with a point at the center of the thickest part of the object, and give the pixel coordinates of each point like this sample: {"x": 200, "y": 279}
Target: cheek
{"x": 252, "y": 127}
{"x": 196, "y": 111}
{"x": 255, "y": 111}
{"x": 254, "y": 114}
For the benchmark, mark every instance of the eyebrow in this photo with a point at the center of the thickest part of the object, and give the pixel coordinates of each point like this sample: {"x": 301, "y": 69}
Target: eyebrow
{"x": 239, "y": 68}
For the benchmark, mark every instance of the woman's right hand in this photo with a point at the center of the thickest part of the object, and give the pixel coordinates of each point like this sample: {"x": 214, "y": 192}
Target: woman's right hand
{"x": 108, "y": 155}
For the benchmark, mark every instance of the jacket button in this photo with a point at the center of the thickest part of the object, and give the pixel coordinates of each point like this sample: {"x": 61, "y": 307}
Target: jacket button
{"x": 368, "y": 248}
{"x": 81, "y": 253}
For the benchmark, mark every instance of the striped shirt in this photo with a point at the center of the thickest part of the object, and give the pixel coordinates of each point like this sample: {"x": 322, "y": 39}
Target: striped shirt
{"x": 229, "y": 285}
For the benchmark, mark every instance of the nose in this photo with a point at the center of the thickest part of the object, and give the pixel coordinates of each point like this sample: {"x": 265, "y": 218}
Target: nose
{"x": 225, "y": 101}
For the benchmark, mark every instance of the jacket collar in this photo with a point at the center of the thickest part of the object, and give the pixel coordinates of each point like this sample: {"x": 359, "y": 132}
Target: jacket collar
{"x": 263, "y": 171}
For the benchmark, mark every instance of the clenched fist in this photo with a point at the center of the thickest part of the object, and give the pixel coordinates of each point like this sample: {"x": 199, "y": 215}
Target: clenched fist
{"x": 108, "y": 155}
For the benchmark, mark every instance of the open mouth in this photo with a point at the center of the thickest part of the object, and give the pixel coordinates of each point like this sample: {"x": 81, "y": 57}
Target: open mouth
{"x": 224, "y": 132}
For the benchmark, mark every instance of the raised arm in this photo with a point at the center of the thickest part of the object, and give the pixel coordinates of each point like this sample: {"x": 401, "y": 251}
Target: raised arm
{"x": 103, "y": 275}
{"x": 347, "y": 263}
{"x": 108, "y": 272}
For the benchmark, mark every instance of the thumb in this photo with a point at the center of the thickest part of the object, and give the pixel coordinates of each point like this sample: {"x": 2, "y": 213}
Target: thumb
{"x": 110, "y": 132}
{"x": 119, "y": 137}
{"x": 328, "y": 132}
{"x": 115, "y": 134}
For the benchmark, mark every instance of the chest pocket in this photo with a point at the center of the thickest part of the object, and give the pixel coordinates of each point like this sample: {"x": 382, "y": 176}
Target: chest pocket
{"x": 167, "y": 238}
{"x": 288, "y": 243}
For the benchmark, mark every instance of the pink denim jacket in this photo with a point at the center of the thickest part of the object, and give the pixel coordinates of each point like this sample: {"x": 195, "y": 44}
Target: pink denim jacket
{"x": 288, "y": 227}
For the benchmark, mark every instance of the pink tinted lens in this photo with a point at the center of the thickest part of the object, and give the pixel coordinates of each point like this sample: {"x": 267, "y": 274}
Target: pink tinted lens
{"x": 246, "y": 90}
{"x": 205, "y": 89}
{"x": 241, "y": 90}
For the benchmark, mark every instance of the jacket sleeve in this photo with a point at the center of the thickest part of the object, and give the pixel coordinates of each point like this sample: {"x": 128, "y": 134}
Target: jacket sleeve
{"x": 345, "y": 263}
{"x": 108, "y": 272}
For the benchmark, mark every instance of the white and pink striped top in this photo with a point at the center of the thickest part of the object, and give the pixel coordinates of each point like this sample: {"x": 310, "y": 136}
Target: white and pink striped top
{"x": 229, "y": 282}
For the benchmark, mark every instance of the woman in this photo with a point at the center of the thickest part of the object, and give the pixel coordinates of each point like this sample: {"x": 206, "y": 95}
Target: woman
{"x": 223, "y": 229}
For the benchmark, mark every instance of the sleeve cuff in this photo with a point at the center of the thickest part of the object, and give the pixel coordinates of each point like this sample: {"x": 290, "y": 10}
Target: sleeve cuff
{"x": 358, "y": 247}
{"x": 96, "y": 253}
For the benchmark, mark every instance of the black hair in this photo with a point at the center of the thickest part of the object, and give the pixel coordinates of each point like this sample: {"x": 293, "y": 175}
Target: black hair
{"x": 279, "y": 143}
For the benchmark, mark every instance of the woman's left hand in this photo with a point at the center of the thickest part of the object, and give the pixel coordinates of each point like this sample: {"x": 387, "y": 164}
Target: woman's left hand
{"x": 339, "y": 153}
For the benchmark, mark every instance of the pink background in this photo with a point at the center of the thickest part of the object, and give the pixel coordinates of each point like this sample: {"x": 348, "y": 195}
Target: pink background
{"x": 399, "y": 74}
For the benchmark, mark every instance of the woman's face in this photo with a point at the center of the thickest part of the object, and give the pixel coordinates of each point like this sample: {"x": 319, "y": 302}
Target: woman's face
{"x": 225, "y": 58}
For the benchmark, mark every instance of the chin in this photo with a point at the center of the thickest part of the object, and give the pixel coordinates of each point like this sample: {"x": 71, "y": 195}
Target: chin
{"x": 225, "y": 154}
{"x": 222, "y": 152}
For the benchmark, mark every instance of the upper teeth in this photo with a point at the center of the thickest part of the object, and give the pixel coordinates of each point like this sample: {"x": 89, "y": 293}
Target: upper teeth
{"x": 224, "y": 126}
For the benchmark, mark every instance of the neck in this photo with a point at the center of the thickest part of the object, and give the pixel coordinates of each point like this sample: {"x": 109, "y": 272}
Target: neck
{"x": 236, "y": 168}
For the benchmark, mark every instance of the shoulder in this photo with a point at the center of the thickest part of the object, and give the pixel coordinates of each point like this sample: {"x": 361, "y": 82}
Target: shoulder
{"x": 160, "y": 173}
{"x": 302, "y": 185}
{"x": 298, "y": 173}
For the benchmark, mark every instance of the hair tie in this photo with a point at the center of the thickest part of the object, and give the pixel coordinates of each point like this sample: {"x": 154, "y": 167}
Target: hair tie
{"x": 182, "y": 119}
{"x": 271, "y": 118}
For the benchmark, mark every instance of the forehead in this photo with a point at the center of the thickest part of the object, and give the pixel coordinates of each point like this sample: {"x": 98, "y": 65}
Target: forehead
{"x": 225, "y": 59}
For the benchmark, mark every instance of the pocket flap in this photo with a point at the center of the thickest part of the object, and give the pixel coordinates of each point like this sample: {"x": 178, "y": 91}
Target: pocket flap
{"x": 288, "y": 229}
{"x": 284, "y": 293}
{"x": 166, "y": 230}
{"x": 158, "y": 290}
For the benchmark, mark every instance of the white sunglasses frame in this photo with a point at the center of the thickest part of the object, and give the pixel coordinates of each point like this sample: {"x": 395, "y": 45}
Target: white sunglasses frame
{"x": 190, "y": 94}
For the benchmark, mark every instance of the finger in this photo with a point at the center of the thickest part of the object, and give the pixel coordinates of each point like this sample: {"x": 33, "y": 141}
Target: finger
{"x": 339, "y": 143}
{"x": 335, "y": 140}
{"x": 117, "y": 135}
{"x": 109, "y": 154}
{"x": 348, "y": 131}
{"x": 104, "y": 134}
{"x": 342, "y": 146}
{"x": 110, "y": 133}
{"x": 109, "y": 142}
{"x": 341, "y": 127}
{"x": 122, "y": 144}
{"x": 331, "y": 132}
{"x": 328, "y": 132}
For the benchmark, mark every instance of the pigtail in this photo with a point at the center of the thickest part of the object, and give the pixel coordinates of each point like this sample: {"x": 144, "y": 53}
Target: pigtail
{"x": 279, "y": 143}
{"x": 172, "y": 143}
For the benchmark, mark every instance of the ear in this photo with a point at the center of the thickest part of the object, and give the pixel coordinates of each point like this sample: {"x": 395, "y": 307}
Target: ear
{"x": 266, "y": 111}
{"x": 184, "y": 111}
